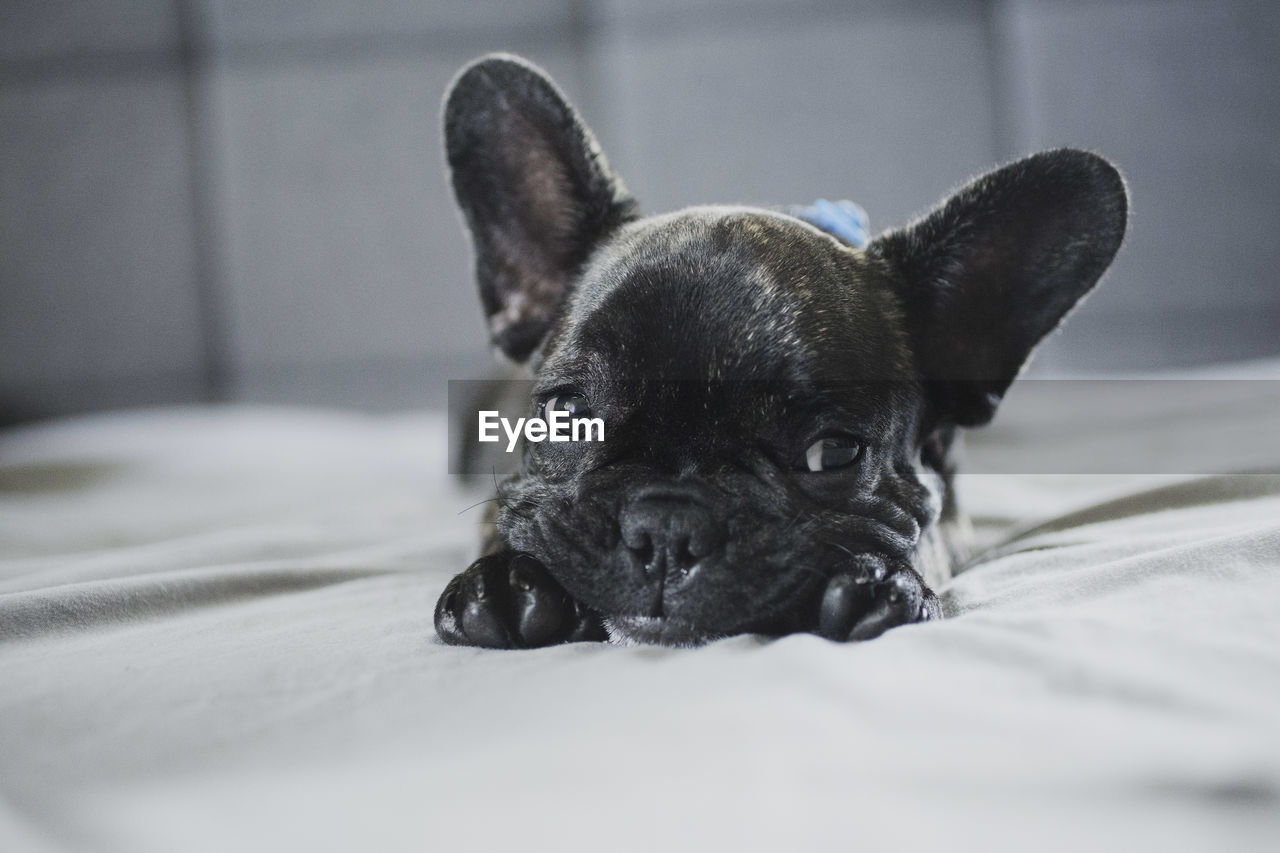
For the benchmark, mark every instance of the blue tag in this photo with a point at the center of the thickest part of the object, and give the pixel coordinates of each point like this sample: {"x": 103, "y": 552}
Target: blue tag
{"x": 844, "y": 219}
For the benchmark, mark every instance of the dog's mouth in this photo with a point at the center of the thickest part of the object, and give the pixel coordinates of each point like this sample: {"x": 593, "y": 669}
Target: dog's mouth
{"x": 790, "y": 614}
{"x": 656, "y": 630}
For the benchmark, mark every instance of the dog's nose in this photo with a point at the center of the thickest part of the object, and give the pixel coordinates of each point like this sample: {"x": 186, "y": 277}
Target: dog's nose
{"x": 669, "y": 536}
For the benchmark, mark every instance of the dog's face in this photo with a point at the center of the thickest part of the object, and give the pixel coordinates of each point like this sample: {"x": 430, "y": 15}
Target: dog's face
{"x": 778, "y": 404}
{"x": 720, "y": 346}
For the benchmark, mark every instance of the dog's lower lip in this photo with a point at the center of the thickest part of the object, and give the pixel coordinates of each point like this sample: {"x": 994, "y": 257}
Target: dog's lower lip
{"x": 658, "y": 630}
{"x": 665, "y": 630}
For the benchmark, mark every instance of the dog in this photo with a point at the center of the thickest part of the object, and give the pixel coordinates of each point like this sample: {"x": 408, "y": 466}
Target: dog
{"x": 782, "y": 408}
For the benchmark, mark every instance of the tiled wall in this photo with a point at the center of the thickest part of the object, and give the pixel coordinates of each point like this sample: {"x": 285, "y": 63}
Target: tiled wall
{"x": 228, "y": 199}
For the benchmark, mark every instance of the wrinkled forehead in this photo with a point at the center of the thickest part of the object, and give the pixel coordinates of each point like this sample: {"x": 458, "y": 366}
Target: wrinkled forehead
{"x": 726, "y": 293}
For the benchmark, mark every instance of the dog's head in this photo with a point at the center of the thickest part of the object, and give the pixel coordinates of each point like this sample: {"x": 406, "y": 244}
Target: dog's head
{"x": 778, "y": 404}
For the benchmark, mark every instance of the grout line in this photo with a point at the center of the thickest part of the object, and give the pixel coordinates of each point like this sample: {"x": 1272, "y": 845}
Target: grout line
{"x": 580, "y": 25}
{"x": 209, "y": 281}
{"x": 578, "y": 36}
{"x": 135, "y": 63}
{"x": 280, "y": 53}
{"x": 1003, "y": 136}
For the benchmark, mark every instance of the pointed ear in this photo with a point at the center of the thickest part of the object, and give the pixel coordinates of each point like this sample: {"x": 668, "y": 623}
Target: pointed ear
{"x": 536, "y": 192}
{"x": 985, "y": 276}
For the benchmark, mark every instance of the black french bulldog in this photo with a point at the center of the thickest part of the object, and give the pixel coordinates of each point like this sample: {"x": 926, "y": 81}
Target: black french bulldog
{"x": 781, "y": 407}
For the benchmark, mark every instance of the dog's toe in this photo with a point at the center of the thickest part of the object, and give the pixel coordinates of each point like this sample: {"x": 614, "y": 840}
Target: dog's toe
{"x": 846, "y": 598}
{"x": 540, "y": 606}
{"x": 864, "y": 605}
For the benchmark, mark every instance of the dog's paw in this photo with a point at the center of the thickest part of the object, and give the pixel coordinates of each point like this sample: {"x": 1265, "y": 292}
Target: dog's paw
{"x": 510, "y": 601}
{"x": 868, "y": 601}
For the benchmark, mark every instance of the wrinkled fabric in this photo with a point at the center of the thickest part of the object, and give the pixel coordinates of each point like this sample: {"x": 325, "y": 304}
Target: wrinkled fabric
{"x": 215, "y": 634}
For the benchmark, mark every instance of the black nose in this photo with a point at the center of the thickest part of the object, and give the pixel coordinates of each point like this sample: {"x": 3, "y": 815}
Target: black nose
{"x": 669, "y": 536}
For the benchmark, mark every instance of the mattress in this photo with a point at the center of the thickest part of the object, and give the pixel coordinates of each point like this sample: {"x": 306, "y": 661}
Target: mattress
{"x": 215, "y": 634}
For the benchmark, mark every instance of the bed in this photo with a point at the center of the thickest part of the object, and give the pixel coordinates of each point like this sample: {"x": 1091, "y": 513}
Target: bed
{"x": 215, "y": 634}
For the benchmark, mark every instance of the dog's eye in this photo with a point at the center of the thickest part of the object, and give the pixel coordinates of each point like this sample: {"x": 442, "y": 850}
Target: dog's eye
{"x": 575, "y": 405}
{"x": 827, "y": 454}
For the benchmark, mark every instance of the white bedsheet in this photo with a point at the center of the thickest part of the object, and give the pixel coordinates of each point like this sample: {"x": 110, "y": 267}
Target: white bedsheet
{"x": 215, "y": 634}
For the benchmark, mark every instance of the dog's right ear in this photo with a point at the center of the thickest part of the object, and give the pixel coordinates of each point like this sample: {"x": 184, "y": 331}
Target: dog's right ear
{"x": 536, "y": 191}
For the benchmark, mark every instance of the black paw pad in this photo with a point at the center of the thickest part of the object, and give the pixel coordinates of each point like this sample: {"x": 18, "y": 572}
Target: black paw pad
{"x": 865, "y": 604}
{"x": 506, "y": 601}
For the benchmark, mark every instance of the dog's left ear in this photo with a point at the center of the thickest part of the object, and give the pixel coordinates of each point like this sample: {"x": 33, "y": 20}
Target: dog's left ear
{"x": 985, "y": 276}
{"x": 536, "y": 191}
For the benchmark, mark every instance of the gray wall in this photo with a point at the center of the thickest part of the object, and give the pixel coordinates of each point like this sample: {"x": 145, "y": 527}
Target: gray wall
{"x": 230, "y": 199}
